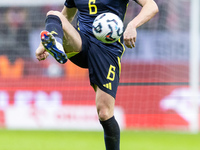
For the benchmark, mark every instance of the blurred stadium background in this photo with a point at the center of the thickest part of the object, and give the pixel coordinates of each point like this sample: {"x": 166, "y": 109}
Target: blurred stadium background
{"x": 154, "y": 94}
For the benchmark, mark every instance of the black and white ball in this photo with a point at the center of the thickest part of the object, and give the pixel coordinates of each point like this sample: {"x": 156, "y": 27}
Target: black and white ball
{"x": 107, "y": 27}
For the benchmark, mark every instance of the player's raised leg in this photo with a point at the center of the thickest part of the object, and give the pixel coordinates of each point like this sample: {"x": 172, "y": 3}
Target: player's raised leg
{"x": 59, "y": 33}
{"x": 105, "y": 108}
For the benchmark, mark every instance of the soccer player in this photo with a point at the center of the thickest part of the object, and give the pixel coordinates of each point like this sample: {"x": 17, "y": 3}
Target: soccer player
{"x": 63, "y": 41}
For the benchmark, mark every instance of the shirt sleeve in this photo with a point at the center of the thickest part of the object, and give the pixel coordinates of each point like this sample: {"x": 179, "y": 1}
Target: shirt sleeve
{"x": 70, "y": 3}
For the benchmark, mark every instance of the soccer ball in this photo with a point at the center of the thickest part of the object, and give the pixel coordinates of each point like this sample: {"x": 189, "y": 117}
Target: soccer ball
{"x": 107, "y": 27}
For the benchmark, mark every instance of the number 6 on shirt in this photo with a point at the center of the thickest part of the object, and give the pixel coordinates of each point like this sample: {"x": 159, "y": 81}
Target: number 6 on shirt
{"x": 92, "y": 7}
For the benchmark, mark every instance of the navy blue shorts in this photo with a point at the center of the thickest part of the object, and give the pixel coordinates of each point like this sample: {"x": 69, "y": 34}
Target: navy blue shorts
{"x": 104, "y": 67}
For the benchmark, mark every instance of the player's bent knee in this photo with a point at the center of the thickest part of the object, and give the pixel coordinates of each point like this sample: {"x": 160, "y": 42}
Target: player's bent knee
{"x": 59, "y": 15}
{"x": 52, "y": 12}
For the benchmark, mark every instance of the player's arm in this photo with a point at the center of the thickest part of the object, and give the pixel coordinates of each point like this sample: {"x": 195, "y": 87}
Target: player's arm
{"x": 149, "y": 9}
{"x": 69, "y": 13}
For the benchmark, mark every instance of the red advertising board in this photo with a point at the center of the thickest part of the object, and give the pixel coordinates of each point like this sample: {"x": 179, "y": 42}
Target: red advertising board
{"x": 148, "y": 99}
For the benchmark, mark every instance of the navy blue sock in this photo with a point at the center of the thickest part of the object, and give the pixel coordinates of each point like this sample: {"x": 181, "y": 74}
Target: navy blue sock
{"x": 111, "y": 134}
{"x": 53, "y": 24}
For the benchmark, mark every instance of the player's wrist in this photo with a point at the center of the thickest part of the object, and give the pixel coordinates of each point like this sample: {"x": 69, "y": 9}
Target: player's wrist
{"x": 133, "y": 24}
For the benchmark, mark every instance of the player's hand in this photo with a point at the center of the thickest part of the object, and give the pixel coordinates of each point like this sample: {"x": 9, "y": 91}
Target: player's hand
{"x": 130, "y": 35}
{"x": 41, "y": 53}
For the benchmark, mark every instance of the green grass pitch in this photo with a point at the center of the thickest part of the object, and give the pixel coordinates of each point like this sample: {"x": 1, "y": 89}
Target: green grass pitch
{"x": 82, "y": 140}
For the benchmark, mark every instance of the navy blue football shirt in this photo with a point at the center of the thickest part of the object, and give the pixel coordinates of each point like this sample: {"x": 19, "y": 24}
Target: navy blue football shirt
{"x": 88, "y": 10}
